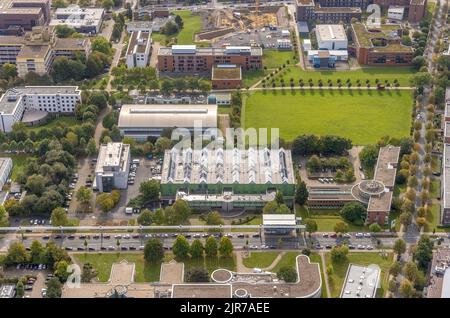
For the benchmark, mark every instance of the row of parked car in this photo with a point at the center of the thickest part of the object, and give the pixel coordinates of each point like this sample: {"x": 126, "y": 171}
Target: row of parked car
{"x": 32, "y": 266}
{"x": 350, "y": 246}
{"x": 104, "y": 248}
{"x": 347, "y": 235}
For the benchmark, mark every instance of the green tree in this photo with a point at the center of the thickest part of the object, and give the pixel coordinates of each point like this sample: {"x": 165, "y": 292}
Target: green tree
{"x": 339, "y": 253}
{"x": 88, "y": 273}
{"x": 100, "y": 44}
{"x": 16, "y": 254}
{"x": 8, "y": 71}
{"x": 145, "y": 217}
{"x": 37, "y": 252}
{"x": 64, "y": 31}
{"x": 374, "y": 228}
{"x": 421, "y": 79}
{"x": 311, "y": 226}
{"x": 4, "y": 222}
{"x": 395, "y": 269}
{"x": 179, "y": 21}
{"x": 20, "y": 289}
{"x": 423, "y": 252}
{"x": 59, "y": 217}
{"x": 272, "y": 207}
{"x": 225, "y": 247}
{"x": 61, "y": 270}
{"x": 54, "y": 288}
{"x": 149, "y": 190}
{"x": 354, "y": 212}
{"x": 91, "y": 147}
{"x": 399, "y": 246}
{"x": 368, "y": 156}
{"x": 153, "y": 251}
{"x": 196, "y": 249}
{"x": 214, "y": 218}
{"x": 341, "y": 227}
{"x": 301, "y": 193}
{"x": 107, "y": 4}
{"x": 105, "y": 202}
{"x": 181, "y": 247}
{"x": 84, "y": 195}
{"x": 211, "y": 247}
{"x": 406, "y": 289}
{"x": 411, "y": 272}
{"x": 288, "y": 274}
{"x": 279, "y": 198}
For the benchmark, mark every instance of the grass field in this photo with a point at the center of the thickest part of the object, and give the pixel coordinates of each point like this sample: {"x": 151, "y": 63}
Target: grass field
{"x": 18, "y": 163}
{"x": 339, "y": 270}
{"x": 274, "y": 58}
{"x": 60, "y": 121}
{"x": 361, "y": 115}
{"x": 260, "y": 259}
{"x": 146, "y": 272}
{"x": 192, "y": 24}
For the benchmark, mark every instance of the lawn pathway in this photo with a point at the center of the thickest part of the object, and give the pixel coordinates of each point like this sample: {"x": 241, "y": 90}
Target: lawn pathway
{"x": 275, "y": 261}
{"x": 325, "y": 274}
{"x": 240, "y": 267}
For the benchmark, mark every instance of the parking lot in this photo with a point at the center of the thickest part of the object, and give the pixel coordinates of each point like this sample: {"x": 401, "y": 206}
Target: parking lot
{"x": 264, "y": 38}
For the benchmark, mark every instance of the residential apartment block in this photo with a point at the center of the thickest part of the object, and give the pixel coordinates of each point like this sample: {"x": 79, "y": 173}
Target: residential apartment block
{"x": 51, "y": 99}
{"x": 37, "y": 50}
{"x": 139, "y": 49}
{"x": 445, "y": 179}
{"x": 24, "y": 13}
{"x": 113, "y": 166}
{"x": 189, "y": 58}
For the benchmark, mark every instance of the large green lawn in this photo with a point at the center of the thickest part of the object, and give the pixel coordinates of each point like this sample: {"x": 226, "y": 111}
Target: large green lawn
{"x": 147, "y": 272}
{"x": 260, "y": 259}
{"x": 361, "y": 115}
{"x": 192, "y": 24}
{"x": 274, "y": 58}
{"x": 340, "y": 269}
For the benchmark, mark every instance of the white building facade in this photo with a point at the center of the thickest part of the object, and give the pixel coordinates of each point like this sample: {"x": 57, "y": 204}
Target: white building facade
{"x": 139, "y": 49}
{"x": 51, "y": 99}
{"x": 113, "y": 166}
{"x": 331, "y": 37}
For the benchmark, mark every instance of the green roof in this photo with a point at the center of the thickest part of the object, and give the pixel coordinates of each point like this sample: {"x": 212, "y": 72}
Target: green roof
{"x": 365, "y": 37}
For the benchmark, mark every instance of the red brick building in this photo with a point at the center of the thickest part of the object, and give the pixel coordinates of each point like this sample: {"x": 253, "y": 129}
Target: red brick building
{"x": 380, "y": 46}
{"x": 190, "y": 59}
{"x": 24, "y": 13}
{"x": 226, "y": 77}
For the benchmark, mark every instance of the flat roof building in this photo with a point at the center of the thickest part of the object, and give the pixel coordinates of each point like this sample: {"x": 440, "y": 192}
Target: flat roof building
{"x": 382, "y": 47}
{"x": 279, "y": 224}
{"x": 396, "y": 13}
{"x": 361, "y": 281}
{"x": 7, "y": 291}
{"x": 139, "y": 49}
{"x": 143, "y": 121}
{"x": 83, "y": 20}
{"x": 445, "y": 186}
{"x": 135, "y": 26}
{"x": 227, "y": 179}
{"x": 190, "y": 58}
{"x": 439, "y": 282}
{"x": 331, "y": 37}
{"x": 226, "y": 76}
{"x": 52, "y": 99}
{"x": 24, "y": 13}
{"x": 113, "y": 166}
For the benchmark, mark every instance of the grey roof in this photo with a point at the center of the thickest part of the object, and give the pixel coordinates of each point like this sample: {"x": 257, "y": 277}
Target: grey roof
{"x": 160, "y": 116}
{"x": 361, "y": 281}
{"x": 302, "y": 27}
{"x": 446, "y": 177}
{"x": 228, "y": 166}
{"x": 330, "y": 32}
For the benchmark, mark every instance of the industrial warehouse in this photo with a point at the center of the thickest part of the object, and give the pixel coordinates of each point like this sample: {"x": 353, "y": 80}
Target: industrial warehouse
{"x": 227, "y": 179}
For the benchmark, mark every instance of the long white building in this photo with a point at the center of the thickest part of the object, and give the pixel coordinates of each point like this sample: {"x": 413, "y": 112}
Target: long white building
{"x": 139, "y": 48}
{"x": 142, "y": 121}
{"x": 113, "y": 166}
{"x": 51, "y": 99}
{"x": 83, "y": 20}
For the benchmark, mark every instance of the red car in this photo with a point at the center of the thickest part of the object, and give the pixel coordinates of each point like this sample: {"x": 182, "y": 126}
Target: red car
{"x": 333, "y": 235}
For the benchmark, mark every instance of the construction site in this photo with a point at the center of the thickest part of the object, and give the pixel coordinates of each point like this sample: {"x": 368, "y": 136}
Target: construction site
{"x": 222, "y": 22}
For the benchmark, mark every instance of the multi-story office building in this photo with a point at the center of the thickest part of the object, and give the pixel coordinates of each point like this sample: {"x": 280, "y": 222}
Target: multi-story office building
{"x": 139, "y": 49}
{"x": 189, "y": 58}
{"x": 83, "y": 20}
{"x": 34, "y": 58}
{"x": 69, "y": 47}
{"x": 24, "y": 13}
{"x": 51, "y": 99}
{"x": 227, "y": 179}
{"x": 445, "y": 180}
{"x": 113, "y": 166}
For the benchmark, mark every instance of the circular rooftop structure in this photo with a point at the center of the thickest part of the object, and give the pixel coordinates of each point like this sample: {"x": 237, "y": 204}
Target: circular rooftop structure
{"x": 241, "y": 293}
{"x": 34, "y": 117}
{"x": 221, "y": 275}
{"x": 366, "y": 189}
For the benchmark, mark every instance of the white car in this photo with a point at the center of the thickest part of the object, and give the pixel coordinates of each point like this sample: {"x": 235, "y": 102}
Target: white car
{"x": 360, "y": 247}
{"x": 369, "y": 247}
{"x": 347, "y": 235}
{"x": 359, "y": 235}
{"x": 367, "y": 235}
